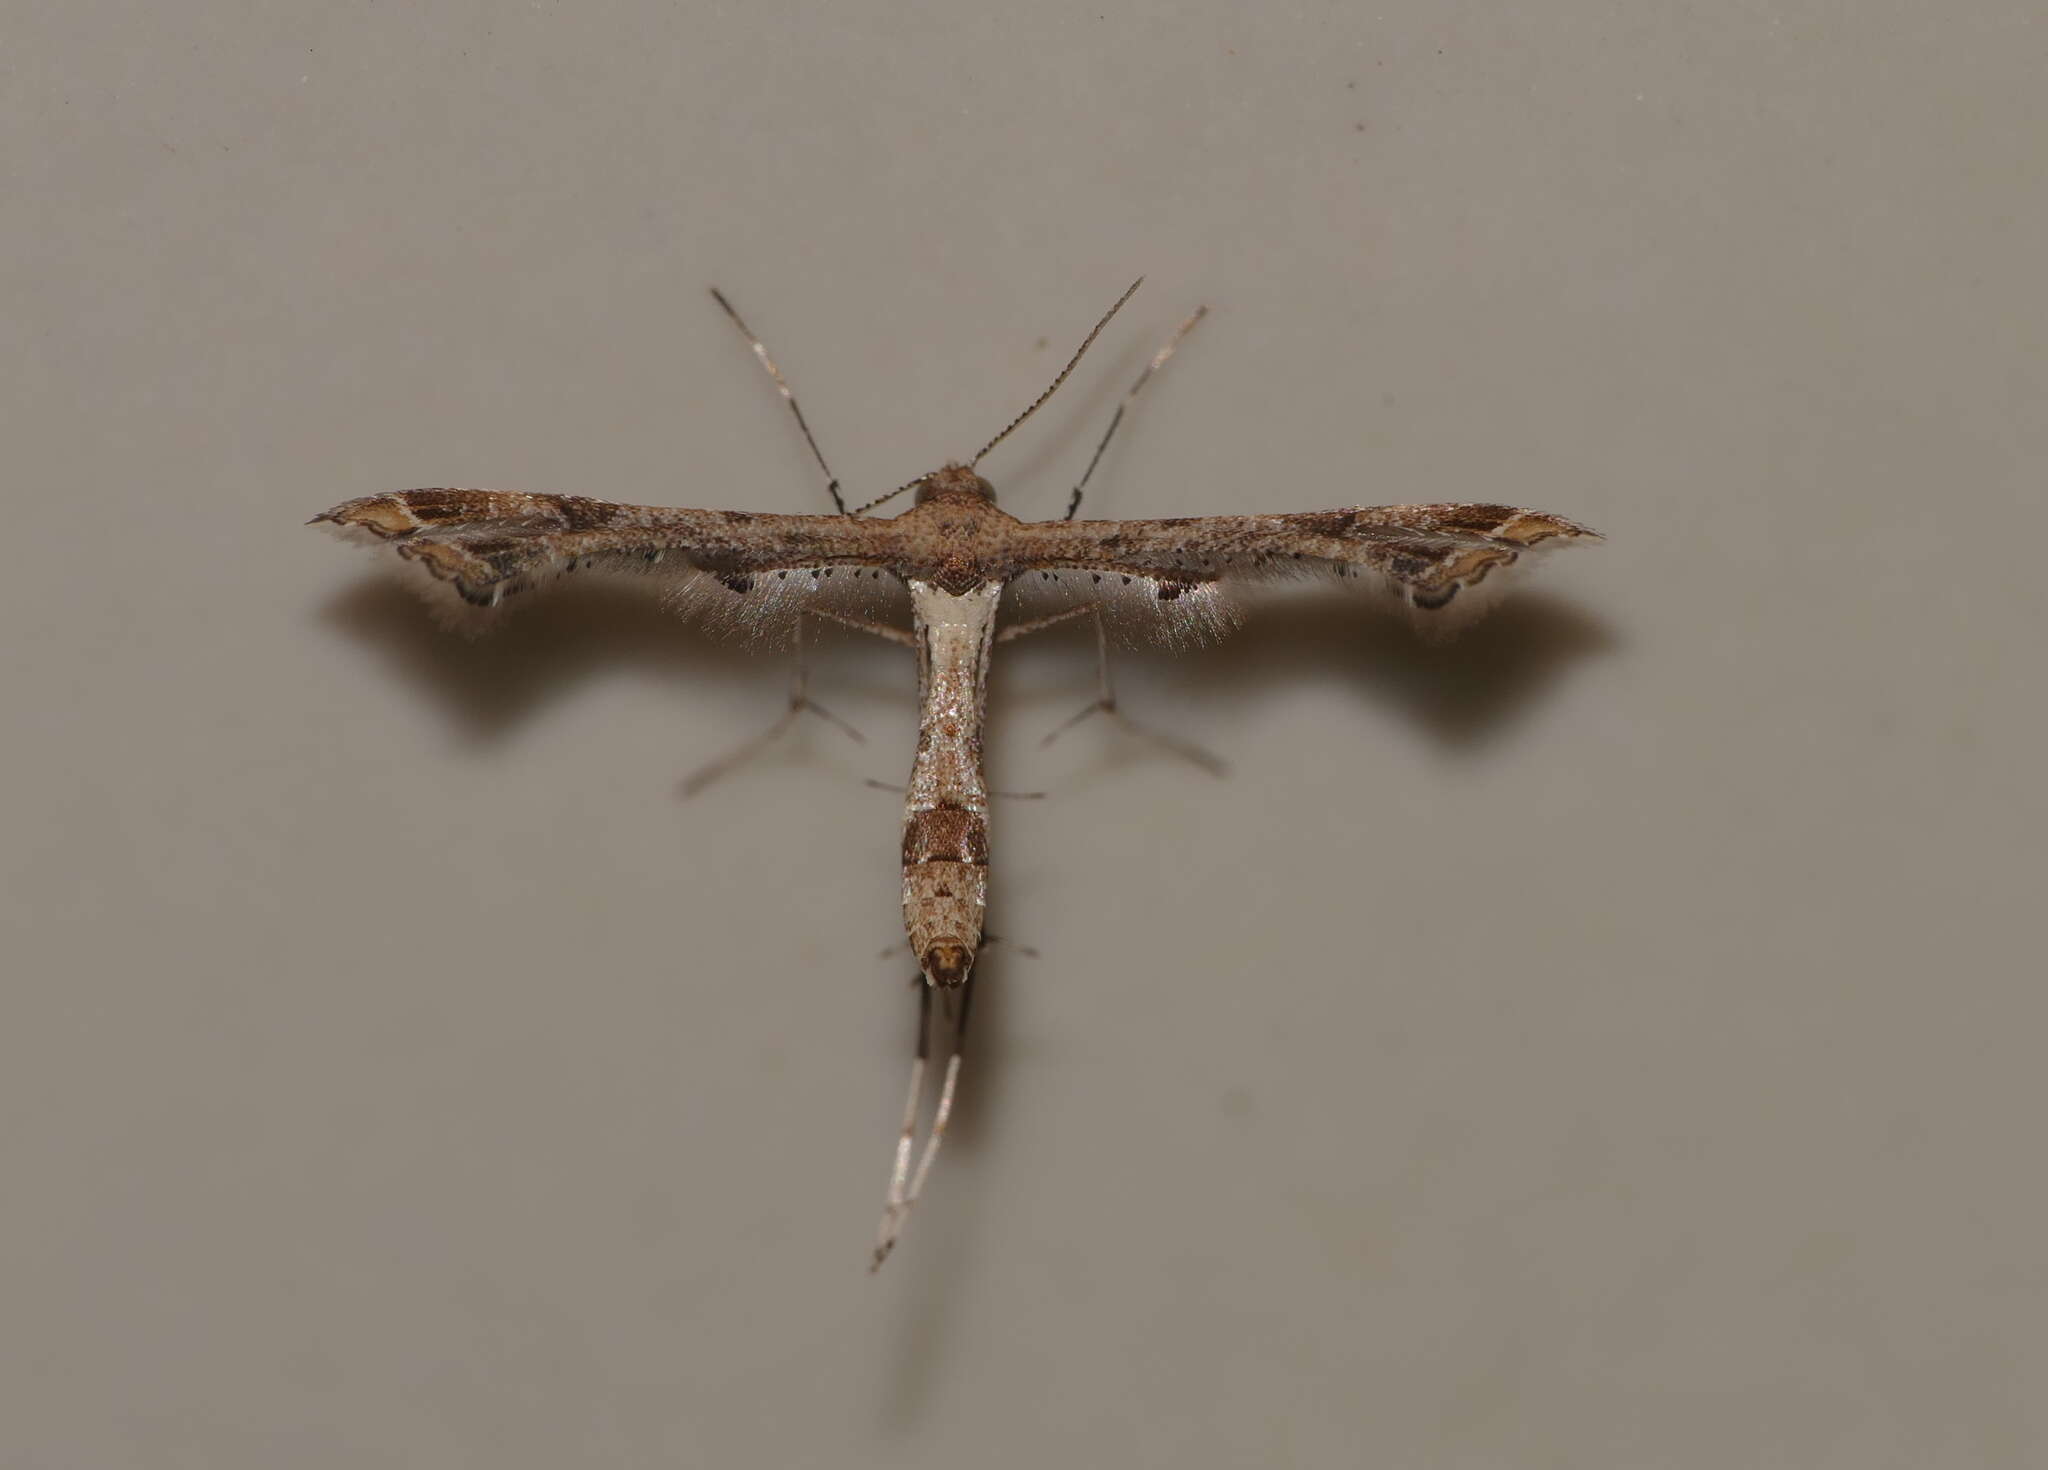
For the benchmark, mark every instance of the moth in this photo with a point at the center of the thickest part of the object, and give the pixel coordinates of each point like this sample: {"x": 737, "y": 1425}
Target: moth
{"x": 957, "y": 559}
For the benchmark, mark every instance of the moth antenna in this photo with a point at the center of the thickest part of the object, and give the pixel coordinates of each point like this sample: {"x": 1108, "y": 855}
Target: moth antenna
{"x": 1039, "y": 401}
{"x": 861, "y": 510}
{"x": 1158, "y": 361}
{"x": 1072, "y": 362}
{"x": 788, "y": 396}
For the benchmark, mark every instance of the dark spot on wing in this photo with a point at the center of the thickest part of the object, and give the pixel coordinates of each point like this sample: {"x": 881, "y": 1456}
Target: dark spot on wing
{"x": 1481, "y": 519}
{"x": 444, "y": 511}
{"x": 580, "y": 513}
{"x": 488, "y": 545}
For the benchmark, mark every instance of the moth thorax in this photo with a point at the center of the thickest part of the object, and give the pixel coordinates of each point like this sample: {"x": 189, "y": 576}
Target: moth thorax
{"x": 954, "y": 479}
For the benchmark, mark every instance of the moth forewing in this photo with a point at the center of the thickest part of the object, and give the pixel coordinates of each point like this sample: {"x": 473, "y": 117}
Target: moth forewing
{"x": 476, "y": 553}
{"x": 1171, "y": 578}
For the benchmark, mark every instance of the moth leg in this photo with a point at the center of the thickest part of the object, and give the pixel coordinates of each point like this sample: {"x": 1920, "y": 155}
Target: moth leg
{"x": 799, "y": 701}
{"x": 905, "y": 1184}
{"x": 1105, "y": 704}
{"x": 888, "y": 631}
{"x": 1116, "y": 420}
{"x": 1024, "y": 949}
{"x": 1050, "y": 620}
{"x": 894, "y": 1206}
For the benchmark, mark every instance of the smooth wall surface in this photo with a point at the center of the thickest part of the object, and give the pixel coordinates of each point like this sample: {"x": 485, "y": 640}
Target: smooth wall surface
{"x": 1610, "y": 1039}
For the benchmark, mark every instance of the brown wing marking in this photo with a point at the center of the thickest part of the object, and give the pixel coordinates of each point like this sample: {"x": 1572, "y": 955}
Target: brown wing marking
{"x": 488, "y": 544}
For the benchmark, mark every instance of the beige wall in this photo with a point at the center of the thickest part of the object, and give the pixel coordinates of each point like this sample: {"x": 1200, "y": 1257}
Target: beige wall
{"x": 1611, "y": 1040}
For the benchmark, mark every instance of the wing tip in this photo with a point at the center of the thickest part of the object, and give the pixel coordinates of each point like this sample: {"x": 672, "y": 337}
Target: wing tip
{"x": 1529, "y": 528}
{"x": 387, "y": 517}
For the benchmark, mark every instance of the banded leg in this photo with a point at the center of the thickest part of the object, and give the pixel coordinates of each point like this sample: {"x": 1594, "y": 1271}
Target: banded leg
{"x": 799, "y": 701}
{"x": 1105, "y": 699}
{"x": 1131, "y": 396}
{"x": 788, "y": 397}
{"x": 1105, "y": 694}
{"x": 907, "y": 1184}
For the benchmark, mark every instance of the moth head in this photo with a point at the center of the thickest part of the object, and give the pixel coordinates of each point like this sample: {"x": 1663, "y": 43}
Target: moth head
{"x": 955, "y": 481}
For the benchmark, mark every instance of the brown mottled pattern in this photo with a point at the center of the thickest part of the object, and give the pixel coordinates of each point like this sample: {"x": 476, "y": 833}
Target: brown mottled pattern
{"x": 955, "y": 537}
{"x": 481, "y": 540}
{"x": 1423, "y": 547}
{"x": 945, "y": 834}
{"x": 1432, "y": 565}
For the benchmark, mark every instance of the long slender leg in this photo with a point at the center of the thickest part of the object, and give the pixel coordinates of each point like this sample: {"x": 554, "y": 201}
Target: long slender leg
{"x": 895, "y": 1205}
{"x": 789, "y": 397}
{"x": 943, "y": 1114}
{"x": 1116, "y": 420}
{"x": 1105, "y": 696}
{"x": 905, "y": 1184}
{"x": 887, "y": 631}
{"x": 799, "y": 701}
{"x": 1050, "y": 620}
